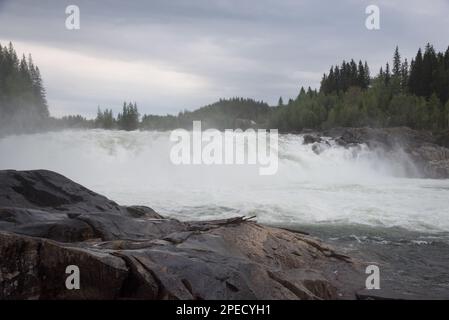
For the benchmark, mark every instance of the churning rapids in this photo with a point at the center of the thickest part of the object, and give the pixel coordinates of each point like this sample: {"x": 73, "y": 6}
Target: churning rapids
{"x": 369, "y": 203}
{"x": 338, "y": 186}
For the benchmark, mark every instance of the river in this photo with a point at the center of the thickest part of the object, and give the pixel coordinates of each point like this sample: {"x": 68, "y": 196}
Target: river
{"x": 371, "y": 204}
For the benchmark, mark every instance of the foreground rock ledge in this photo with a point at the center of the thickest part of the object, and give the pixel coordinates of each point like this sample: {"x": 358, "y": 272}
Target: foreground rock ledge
{"x": 48, "y": 222}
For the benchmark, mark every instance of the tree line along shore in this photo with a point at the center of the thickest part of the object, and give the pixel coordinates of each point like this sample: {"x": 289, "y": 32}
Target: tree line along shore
{"x": 414, "y": 94}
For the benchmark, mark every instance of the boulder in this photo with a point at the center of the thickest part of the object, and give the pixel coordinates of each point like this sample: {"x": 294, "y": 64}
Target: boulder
{"x": 309, "y": 139}
{"x": 429, "y": 153}
{"x": 48, "y": 222}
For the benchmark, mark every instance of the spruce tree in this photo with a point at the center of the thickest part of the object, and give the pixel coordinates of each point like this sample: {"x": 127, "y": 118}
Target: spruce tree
{"x": 280, "y": 102}
{"x": 361, "y": 77}
{"x": 429, "y": 66}
{"x": 416, "y": 75}
{"x": 22, "y": 94}
{"x": 397, "y": 63}
{"x": 387, "y": 75}
{"x": 367, "y": 80}
{"x": 404, "y": 75}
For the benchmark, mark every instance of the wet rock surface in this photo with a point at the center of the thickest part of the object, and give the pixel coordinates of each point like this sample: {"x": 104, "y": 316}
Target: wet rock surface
{"x": 412, "y": 264}
{"x": 48, "y": 222}
{"x": 429, "y": 152}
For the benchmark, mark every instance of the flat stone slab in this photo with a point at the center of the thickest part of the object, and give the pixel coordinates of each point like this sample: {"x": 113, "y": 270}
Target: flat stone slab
{"x": 48, "y": 222}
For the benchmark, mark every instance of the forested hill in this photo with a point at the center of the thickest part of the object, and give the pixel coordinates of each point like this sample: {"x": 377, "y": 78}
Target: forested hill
{"x": 226, "y": 113}
{"x": 402, "y": 93}
{"x": 23, "y": 104}
{"x": 413, "y": 94}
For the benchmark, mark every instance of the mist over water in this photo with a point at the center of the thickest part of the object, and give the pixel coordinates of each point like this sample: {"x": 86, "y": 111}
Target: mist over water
{"x": 322, "y": 184}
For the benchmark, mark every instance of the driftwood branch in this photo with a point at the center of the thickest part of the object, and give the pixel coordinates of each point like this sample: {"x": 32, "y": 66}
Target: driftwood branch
{"x": 212, "y": 224}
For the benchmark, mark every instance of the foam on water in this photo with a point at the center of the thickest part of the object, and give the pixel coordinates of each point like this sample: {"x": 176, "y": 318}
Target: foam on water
{"x": 328, "y": 185}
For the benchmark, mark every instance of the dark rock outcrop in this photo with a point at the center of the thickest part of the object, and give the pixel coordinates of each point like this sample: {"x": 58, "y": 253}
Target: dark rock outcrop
{"x": 48, "y": 222}
{"x": 429, "y": 153}
{"x": 310, "y": 138}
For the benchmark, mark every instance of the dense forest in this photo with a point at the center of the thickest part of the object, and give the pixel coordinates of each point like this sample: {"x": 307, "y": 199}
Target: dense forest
{"x": 127, "y": 120}
{"x": 226, "y": 113}
{"x": 414, "y": 94}
{"x": 22, "y": 95}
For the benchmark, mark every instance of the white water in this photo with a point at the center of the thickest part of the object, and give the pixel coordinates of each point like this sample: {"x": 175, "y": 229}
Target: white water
{"x": 338, "y": 186}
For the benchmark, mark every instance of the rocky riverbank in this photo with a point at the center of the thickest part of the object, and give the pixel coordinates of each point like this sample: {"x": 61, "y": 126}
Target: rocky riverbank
{"x": 48, "y": 222}
{"x": 428, "y": 152}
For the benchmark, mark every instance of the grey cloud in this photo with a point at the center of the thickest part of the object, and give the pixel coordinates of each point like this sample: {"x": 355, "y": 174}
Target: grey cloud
{"x": 262, "y": 49}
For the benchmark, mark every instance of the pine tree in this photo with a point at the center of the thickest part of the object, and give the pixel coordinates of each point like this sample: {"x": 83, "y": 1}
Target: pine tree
{"x": 22, "y": 95}
{"x": 129, "y": 118}
{"x": 310, "y": 92}
{"x": 361, "y": 76}
{"x": 416, "y": 75}
{"x": 397, "y": 63}
{"x": 387, "y": 75}
{"x": 429, "y": 66}
{"x": 280, "y": 102}
{"x": 404, "y": 75}
{"x": 367, "y": 80}
{"x": 39, "y": 92}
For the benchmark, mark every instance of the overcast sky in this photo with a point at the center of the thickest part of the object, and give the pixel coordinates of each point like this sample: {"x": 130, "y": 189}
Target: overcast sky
{"x": 171, "y": 55}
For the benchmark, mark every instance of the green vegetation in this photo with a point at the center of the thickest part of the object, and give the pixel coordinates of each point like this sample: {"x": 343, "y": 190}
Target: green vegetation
{"x": 22, "y": 95}
{"x": 401, "y": 94}
{"x": 232, "y": 113}
{"x": 415, "y": 96}
{"x": 105, "y": 119}
{"x": 224, "y": 114}
{"x": 127, "y": 120}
